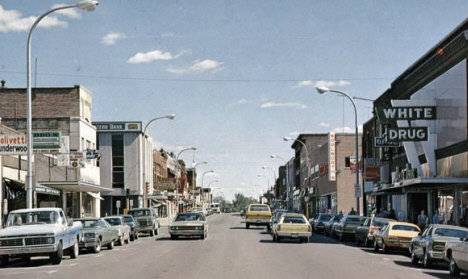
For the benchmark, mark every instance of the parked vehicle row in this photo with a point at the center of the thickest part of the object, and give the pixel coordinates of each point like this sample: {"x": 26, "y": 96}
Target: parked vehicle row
{"x": 48, "y": 232}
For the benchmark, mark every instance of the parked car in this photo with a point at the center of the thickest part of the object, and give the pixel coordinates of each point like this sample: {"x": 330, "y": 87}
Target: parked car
{"x": 330, "y": 225}
{"x": 456, "y": 253}
{"x": 276, "y": 215}
{"x": 258, "y": 215}
{"x": 134, "y": 226}
{"x": 347, "y": 225}
{"x": 429, "y": 245}
{"x": 148, "y": 219}
{"x": 318, "y": 224}
{"x": 243, "y": 210}
{"x": 365, "y": 233}
{"x": 122, "y": 226}
{"x": 292, "y": 226}
{"x": 39, "y": 232}
{"x": 189, "y": 224}
{"x": 395, "y": 235}
{"x": 209, "y": 211}
{"x": 97, "y": 232}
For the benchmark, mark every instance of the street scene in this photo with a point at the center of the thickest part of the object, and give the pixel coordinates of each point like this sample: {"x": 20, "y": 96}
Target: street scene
{"x": 233, "y": 139}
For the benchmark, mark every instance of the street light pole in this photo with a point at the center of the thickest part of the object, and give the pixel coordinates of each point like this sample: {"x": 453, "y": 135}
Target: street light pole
{"x": 268, "y": 182}
{"x": 323, "y": 90}
{"x": 87, "y": 5}
{"x": 194, "y": 172}
{"x": 145, "y": 191}
{"x": 201, "y": 190}
{"x": 177, "y": 172}
{"x": 287, "y": 174}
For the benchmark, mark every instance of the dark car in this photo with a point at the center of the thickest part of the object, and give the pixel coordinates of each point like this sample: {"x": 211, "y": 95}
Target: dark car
{"x": 319, "y": 222}
{"x": 329, "y": 226}
{"x": 134, "y": 226}
{"x": 365, "y": 233}
{"x": 347, "y": 225}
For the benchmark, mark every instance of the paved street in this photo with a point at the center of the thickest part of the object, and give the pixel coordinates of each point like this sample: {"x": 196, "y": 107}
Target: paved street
{"x": 230, "y": 251}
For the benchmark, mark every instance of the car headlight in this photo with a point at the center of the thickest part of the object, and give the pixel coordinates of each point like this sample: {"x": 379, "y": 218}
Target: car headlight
{"x": 50, "y": 240}
{"x": 174, "y": 228}
{"x": 199, "y": 228}
{"x": 89, "y": 235}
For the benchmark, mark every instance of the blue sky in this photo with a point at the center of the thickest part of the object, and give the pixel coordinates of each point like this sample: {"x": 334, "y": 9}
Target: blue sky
{"x": 239, "y": 75}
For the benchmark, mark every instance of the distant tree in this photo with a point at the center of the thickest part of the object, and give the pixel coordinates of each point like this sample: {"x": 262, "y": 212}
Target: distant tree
{"x": 240, "y": 201}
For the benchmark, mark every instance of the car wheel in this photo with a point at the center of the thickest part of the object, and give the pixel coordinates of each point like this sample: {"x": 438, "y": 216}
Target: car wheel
{"x": 453, "y": 268}
{"x": 152, "y": 232}
{"x": 306, "y": 240}
{"x": 26, "y": 258}
{"x": 385, "y": 249}
{"x": 56, "y": 257}
{"x": 74, "y": 250}
{"x": 268, "y": 227}
{"x": 274, "y": 237}
{"x": 247, "y": 226}
{"x": 173, "y": 237}
{"x": 358, "y": 242}
{"x": 366, "y": 242}
{"x": 4, "y": 260}
{"x": 136, "y": 235}
{"x": 132, "y": 237}
{"x": 127, "y": 241}
{"x": 414, "y": 259}
{"x": 340, "y": 237}
{"x": 97, "y": 246}
{"x": 426, "y": 260}
{"x": 376, "y": 246}
{"x": 110, "y": 246}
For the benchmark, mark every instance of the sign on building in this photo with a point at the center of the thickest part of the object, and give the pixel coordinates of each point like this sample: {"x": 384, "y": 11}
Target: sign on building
{"x": 406, "y": 113}
{"x": 331, "y": 156}
{"x": 13, "y": 145}
{"x": 407, "y": 134}
{"x": 47, "y": 140}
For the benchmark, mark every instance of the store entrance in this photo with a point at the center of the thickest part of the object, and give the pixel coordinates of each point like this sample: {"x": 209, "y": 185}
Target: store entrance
{"x": 416, "y": 203}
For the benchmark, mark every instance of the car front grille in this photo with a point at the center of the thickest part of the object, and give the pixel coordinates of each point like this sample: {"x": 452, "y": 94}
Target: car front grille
{"x": 29, "y": 241}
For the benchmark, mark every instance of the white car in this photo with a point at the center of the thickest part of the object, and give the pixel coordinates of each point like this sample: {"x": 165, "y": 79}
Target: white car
{"x": 124, "y": 229}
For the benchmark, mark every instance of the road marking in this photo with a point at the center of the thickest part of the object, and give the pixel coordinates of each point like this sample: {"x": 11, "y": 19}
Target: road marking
{"x": 73, "y": 264}
{"x": 52, "y": 271}
{"x": 386, "y": 259}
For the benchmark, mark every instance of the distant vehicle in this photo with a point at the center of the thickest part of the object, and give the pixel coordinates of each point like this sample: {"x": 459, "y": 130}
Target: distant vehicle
{"x": 189, "y": 224}
{"x": 122, "y": 226}
{"x": 258, "y": 215}
{"x": 227, "y": 210}
{"x": 292, "y": 226}
{"x": 215, "y": 207}
{"x": 429, "y": 245}
{"x": 39, "y": 232}
{"x": 97, "y": 233}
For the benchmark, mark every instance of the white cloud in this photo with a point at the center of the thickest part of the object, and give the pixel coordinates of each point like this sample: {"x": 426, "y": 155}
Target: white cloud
{"x": 198, "y": 67}
{"x": 324, "y": 124}
{"x": 112, "y": 38}
{"x": 154, "y": 55}
{"x": 290, "y": 105}
{"x": 243, "y": 101}
{"x": 326, "y": 83}
{"x": 71, "y": 13}
{"x": 12, "y": 21}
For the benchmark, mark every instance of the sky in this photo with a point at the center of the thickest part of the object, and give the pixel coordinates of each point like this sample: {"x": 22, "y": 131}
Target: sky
{"x": 239, "y": 75}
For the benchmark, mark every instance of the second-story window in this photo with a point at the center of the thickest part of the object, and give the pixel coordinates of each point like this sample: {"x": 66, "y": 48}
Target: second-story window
{"x": 117, "y": 161}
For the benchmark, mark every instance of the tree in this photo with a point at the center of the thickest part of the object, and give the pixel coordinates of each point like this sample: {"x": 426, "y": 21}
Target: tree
{"x": 240, "y": 201}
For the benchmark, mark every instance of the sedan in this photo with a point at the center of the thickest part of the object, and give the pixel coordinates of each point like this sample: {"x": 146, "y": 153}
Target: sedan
{"x": 189, "y": 224}
{"x": 395, "y": 235}
{"x": 346, "y": 227}
{"x": 429, "y": 246}
{"x": 97, "y": 233}
{"x": 119, "y": 223}
{"x": 292, "y": 226}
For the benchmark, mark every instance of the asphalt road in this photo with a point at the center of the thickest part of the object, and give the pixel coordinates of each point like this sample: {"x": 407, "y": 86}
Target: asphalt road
{"x": 230, "y": 251}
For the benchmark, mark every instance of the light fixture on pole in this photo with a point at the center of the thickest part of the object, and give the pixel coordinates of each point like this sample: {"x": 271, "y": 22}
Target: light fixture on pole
{"x": 201, "y": 190}
{"x": 146, "y": 191}
{"x": 88, "y": 6}
{"x": 177, "y": 170}
{"x": 274, "y": 174}
{"x": 193, "y": 177}
{"x": 323, "y": 90}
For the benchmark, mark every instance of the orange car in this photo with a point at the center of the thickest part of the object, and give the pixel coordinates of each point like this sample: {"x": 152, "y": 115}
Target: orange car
{"x": 395, "y": 235}
{"x": 258, "y": 215}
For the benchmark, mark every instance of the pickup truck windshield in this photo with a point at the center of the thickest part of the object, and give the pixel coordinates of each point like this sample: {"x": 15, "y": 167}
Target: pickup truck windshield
{"x": 32, "y": 218}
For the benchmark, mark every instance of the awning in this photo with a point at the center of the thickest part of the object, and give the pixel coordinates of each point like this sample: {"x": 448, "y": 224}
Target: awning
{"x": 41, "y": 189}
{"x": 95, "y": 195}
{"x": 75, "y": 186}
{"x": 425, "y": 182}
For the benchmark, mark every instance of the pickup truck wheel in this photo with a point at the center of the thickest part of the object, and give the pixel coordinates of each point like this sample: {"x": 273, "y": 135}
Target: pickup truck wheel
{"x": 426, "y": 260}
{"x": 4, "y": 260}
{"x": 173, "y": 237}
{"x": 74, "y": 250}
{"x": 56, "y": 257}
{"x": 453, "y": 268}
{"x": 132, "y": 237}
{"x": 110, "y": 246}
{"x": 26, "y": 258}
{"x": 414, "y": 259}
{"x": 152, "y": 232}
{"x": 97, "y": 246}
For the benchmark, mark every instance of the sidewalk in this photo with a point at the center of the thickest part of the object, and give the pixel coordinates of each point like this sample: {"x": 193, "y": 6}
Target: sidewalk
{"x": 164, "y": 221}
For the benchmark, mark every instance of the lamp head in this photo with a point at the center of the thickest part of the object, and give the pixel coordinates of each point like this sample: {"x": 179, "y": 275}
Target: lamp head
{"x": 192, "y": 148}
{"x": 170, "y": 116}
{"x": 287, "y": 138}
{"x": 322, "y": 89}
{"x": 272, "y": 156}
{"x": 264, "y": 167}
{"x": 88, "y": 5}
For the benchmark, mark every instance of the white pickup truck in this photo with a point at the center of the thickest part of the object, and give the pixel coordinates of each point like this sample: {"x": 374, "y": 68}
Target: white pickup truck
{"x": 39, "y": 232}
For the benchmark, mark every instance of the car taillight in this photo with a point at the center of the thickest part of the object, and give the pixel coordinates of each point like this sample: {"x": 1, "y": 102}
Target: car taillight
{"x": 310, "y": 229}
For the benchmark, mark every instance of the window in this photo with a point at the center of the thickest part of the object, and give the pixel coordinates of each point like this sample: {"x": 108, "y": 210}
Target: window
{"x": 118, "y": 176}
{"x": 347, "y": 162}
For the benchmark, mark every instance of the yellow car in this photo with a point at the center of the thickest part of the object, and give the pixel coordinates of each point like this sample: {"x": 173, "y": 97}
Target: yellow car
{"x": 258, "y": 215}
{"x": 292, "y": 226}
{"x": 395, "y": 235}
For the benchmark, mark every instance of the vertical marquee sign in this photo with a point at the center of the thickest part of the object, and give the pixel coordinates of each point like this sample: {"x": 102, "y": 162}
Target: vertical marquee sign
{"x": 331, "y": 156}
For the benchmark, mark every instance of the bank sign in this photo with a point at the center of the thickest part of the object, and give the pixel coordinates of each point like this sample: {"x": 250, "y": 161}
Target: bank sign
{"x": 402, "y": 134}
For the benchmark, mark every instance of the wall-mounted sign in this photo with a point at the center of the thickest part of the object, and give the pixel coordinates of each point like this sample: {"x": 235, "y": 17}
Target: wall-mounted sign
{"x": 406, "y": 113}
{"x": 13, "y": 145}
{"x": 118, "y": 126}
{"x": 383, "y": 142}
{"x": 407, "y": 134}
{"x": 331, "y": 156}
{"x": 47, "y": 140}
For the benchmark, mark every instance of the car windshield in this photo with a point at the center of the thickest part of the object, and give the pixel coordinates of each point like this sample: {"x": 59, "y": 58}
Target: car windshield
{"x": 293, "y": 220}
{"x": 89, "y": 223}
{"x": 114, "y": 221}
{"x": 128, "y": 219}
{"x": 404, "y": 228}
{"x": 190, "y": 217}
{"x": 32, "y": 218}
{"x": 139, "y": 213}
{"x": 258, "y": 208}
{"x": 325, "y": 217}
{"x": 450, "y": 233}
